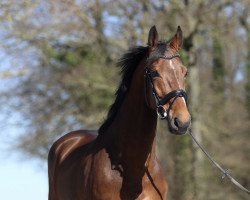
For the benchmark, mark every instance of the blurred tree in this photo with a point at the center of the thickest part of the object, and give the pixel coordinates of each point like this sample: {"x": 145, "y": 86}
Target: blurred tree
{"x": 218, "y": 66}
{"x": 68, "y": 51}
{"x": 66, "y": 87}
{"x": 244, "y": 20}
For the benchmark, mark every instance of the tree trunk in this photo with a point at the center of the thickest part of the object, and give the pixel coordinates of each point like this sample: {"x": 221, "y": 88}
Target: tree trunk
{"x": 196, "y": 129}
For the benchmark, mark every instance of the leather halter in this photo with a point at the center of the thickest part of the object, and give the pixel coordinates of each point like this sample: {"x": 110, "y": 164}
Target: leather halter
{"x": 160, "y": 102}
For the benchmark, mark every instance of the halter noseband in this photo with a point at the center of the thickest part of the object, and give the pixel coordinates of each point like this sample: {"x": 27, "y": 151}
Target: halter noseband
{"x": 160, "y": 102}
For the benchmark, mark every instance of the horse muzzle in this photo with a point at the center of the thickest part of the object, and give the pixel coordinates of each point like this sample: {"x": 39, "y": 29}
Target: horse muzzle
{"x": 178, "y": 126}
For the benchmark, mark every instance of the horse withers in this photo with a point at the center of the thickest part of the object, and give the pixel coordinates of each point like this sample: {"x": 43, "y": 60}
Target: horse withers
{"x": 119, "y": 161}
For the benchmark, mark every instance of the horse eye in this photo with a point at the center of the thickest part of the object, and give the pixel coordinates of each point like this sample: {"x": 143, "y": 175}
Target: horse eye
{"x": 186, "y": 74}
{"x": 154, "y": 74}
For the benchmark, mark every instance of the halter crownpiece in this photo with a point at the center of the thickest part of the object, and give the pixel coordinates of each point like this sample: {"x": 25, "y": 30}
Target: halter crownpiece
{"x": 167, "y": 57}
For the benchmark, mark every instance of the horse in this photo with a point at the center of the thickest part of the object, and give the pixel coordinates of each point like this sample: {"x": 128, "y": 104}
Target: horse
{"x": 118, "y": 162}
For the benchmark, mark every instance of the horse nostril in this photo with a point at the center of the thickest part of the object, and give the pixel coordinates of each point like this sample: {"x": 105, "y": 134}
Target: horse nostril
{"x": 178, "y": 126}
{"x": 177, "y": 122}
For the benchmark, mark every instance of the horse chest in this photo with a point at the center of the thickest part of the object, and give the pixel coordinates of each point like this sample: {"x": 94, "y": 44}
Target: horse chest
{"x": 112, "y": 184}
{"x": 119, "y": 191}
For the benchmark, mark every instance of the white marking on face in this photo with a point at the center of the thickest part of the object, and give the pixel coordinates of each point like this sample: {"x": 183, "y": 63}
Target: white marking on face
{"x": 184, "y": 100}
{"x": 175, "y": 74}
{"x": 173, "y": 68}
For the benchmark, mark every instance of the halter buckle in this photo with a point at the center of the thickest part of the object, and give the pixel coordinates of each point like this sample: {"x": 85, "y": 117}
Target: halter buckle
{"x": 161, "y": 112}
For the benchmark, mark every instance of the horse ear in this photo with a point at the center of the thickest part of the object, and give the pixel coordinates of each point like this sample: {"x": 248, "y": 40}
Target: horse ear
{"x": 176, "y": 41}
{"x": 153, "y": 38}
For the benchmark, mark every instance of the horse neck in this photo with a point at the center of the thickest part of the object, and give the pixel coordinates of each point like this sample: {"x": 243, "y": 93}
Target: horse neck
{"x": 134, "y": 127}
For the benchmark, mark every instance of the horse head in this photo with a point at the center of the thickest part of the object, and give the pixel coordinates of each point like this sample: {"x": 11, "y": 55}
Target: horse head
{"x": 165, "y": 76}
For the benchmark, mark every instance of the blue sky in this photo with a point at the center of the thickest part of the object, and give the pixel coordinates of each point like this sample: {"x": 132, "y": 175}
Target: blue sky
{"x": 20, "y": 178}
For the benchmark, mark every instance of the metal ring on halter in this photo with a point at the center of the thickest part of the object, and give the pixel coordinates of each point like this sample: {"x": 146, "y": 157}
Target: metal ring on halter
{"x": 160, "y": 108}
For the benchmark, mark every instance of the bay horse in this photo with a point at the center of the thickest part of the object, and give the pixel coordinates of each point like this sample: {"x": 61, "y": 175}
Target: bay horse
{"x": 119, "y": 160}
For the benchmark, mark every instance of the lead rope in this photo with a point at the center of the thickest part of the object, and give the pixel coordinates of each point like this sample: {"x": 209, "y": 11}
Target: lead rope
{"x": 225, "y": 172}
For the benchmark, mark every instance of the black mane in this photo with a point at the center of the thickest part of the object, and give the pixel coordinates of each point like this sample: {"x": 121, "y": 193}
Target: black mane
{"x": 128, "y": 63}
